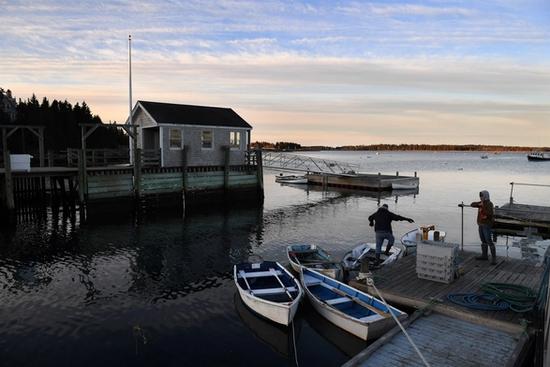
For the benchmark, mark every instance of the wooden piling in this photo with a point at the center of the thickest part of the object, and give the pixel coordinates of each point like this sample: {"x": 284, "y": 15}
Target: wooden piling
{"x": 10, "y": 203}
{"x": 227, "y": 156}
{"x": 81, "y": 176}
{"x": 260, "y": 171}
{"x": 137, "y": 173}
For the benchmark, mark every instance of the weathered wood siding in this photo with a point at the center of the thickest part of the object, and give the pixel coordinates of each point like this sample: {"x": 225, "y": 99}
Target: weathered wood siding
{"x": 110, "y": 186}
{"x": 196, "y": 155}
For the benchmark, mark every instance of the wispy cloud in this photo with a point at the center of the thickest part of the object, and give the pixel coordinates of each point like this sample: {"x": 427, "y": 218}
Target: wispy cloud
{"x": 388, "y": 70}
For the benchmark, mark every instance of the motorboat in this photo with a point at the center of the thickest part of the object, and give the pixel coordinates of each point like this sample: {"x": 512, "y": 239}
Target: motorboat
{"x": 539, "y": 156}
{"x": 354, "y": 311}
{"x": 314, "y": 257}
{"x": 268, "y": 289}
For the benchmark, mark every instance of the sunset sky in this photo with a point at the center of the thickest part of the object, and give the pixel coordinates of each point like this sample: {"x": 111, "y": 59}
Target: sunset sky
{"x": 312, "y": 72}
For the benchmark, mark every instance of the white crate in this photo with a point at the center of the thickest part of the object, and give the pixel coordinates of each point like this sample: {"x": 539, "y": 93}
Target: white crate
{"x": 439, "y": 249}
{"x": 437, "y": 261}
{"x": 20, "y": 162}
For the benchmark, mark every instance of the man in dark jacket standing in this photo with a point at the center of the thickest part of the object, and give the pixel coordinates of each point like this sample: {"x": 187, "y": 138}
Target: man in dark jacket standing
{"x": 381, "y": 220}
{"x": 485, "y": 213}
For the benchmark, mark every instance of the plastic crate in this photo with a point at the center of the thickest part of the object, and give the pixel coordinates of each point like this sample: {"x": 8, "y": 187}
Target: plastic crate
{"x": 437, "y": 261}
{"x": 436, "y": 248}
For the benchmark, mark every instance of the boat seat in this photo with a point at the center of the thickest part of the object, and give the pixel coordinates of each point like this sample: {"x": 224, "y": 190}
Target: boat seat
{"x": 338, "y": 300}
{"x": 273, "y": 290}
{"x": 258, "y": 274}
{"x": 372, "y": 317}
{"x": 310, "y": 281}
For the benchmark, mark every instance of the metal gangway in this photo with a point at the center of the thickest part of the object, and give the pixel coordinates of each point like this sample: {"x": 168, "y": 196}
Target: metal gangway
{"x": 304, "y": 163}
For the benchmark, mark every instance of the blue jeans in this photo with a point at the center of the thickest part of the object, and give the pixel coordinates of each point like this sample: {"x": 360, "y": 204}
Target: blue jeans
{"x": 380, "y": 237}
{"x": 485, "y": 234}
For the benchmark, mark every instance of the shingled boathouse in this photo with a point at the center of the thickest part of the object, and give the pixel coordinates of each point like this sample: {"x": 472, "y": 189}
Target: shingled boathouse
{"x": 184, "y": 151}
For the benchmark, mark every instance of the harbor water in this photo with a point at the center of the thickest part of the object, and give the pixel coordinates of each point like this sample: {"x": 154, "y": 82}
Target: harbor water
{"x": 117, "y": 291}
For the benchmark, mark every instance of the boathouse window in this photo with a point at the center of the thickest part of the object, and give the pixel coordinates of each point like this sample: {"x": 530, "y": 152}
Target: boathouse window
{"x": 175, "y": 138}
{"x": 235, "y": 139}
{"x": 206, "y": 139}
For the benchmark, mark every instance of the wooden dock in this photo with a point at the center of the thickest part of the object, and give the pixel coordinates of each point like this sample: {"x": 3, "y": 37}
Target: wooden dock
{"x": 452, "y": 335}
{"x": 399, "y": 284}
{"x": 364, "y": 181}
{"x": 514, "y": 217}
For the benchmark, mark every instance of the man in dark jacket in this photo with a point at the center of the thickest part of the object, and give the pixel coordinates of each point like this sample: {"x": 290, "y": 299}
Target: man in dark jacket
{"x": 485, "y": 213}
{"x": 381, "y": 220}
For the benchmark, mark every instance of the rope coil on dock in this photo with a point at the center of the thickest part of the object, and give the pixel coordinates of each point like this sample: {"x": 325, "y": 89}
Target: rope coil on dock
{"x": 475, "y": 301}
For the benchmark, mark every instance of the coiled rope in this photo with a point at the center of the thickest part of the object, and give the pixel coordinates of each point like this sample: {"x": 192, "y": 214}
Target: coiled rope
{"x": 521, "y": 298}
{"x": 475, "y": 301}
{"x": 497, "y": 297}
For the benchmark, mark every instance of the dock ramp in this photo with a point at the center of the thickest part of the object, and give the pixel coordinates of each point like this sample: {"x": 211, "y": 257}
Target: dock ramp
{"x": 303, "y": 163}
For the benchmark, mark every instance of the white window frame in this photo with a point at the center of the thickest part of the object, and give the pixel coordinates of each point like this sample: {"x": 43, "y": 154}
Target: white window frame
{"x": 211, "y": 139}
{"x": 238, "y": 135}
{"x": 180, "y": 147}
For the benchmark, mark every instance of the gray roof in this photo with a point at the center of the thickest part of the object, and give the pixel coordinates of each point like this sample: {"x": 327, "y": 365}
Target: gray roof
{"x": 169, "y": 113}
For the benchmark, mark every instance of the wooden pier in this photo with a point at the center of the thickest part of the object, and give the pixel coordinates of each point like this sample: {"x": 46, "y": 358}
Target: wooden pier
{"x": 513, "y": 217}
{"x": 84, "y": 184}
{"x": 400, "y": 285}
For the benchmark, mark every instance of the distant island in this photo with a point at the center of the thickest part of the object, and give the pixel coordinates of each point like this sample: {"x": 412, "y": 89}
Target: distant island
{"x": 289, "y": 146}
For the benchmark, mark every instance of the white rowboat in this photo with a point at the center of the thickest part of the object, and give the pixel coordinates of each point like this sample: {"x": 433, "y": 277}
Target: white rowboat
{"x": 348, "y": 308}
{"x": 367, "y": 252}
{"x": 314, "y": 257}
{"x": 268, "y": 289}
{"x": 291, "y": 179}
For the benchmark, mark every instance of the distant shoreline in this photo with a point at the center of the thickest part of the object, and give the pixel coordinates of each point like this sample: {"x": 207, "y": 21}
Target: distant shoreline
{"x": 289, "y": 147}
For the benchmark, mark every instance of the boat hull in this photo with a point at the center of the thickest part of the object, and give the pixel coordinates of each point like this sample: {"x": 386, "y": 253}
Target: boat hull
{"x": 367, "y": 328}
{"x": 328, "y": 268}
{"x": 280, "y": 312}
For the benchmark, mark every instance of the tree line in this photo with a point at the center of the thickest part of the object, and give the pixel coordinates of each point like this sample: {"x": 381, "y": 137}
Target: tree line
{"x": 394, "y": 147}
{"x": 61, "y": 121}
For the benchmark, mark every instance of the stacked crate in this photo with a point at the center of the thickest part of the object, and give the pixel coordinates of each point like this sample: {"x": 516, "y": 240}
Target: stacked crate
{"x": 437, "y": 261}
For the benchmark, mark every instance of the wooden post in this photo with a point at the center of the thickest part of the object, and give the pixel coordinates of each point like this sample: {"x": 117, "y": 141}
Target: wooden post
{"x": 227, "y": 152}
{"x": 184, "y": 168}
{"x": 183, "y": 178}
{"x": 81, "y": 177}
{"x": 41, "y": 145}
{"x": 137, "y": 173}
{"x": 397, "y": 173}
{"x": 50, "y": 158}
{"x": 260, "y": 171}
{"x": 10, "y": 202}
{"x": 379, "y": 182}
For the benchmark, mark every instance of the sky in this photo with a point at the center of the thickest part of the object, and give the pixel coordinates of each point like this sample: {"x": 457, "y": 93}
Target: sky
{"x": 312, "y": 72}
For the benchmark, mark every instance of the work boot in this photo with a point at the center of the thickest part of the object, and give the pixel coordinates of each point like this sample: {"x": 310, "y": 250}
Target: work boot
{"x": 387, "y": 252}
{"x": 483, "y": 255}
{"x": 493, "y": 254}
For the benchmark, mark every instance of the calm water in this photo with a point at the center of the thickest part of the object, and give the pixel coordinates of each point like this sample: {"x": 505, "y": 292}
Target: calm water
{"x": 113, "y": 292}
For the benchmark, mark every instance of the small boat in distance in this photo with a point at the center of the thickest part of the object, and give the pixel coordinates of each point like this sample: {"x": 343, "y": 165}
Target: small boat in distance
{"x": 367, "y": 252}
{"x": 538, "y": 156}
{"x": 484, "y": 156}
{"x": 348, "y": 308}
{"x": 314, "y": 257}
{"x": 291, "y": 179}
{"x": 268, "y": 289}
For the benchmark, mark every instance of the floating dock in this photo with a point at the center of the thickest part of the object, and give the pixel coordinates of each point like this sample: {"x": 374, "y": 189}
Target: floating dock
{"x": 513, "y": 217}
{"x": 364, "y": 181}
{"x": 400, "y": 285}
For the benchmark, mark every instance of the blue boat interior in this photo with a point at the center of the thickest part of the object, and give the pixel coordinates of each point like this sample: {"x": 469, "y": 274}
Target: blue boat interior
{"x": 341, "y": 296}
{"x": 261, "y": 279}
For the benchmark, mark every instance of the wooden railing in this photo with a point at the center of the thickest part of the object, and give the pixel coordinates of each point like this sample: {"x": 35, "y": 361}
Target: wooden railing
{"x": 150, "y": 157}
